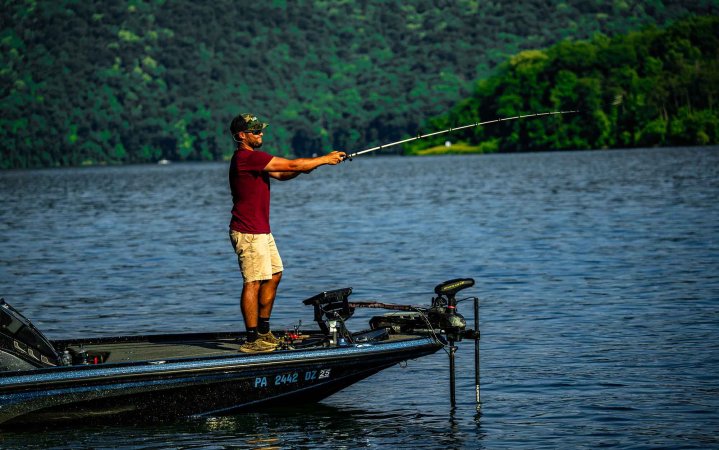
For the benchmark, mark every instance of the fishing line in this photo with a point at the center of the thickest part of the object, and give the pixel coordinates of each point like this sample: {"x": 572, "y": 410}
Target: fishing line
{"x": 448, "y": 130}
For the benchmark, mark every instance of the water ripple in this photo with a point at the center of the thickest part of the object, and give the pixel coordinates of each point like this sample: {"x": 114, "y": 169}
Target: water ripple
{"x": 597, "y": 273}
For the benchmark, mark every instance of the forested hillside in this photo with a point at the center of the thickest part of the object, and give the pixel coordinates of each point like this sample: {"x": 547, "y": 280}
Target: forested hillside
{"x": 650, "y": 88}
{"x": 128, "y": 81}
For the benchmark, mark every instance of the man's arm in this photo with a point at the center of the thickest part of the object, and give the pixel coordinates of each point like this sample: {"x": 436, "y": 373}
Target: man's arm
{"x": 286, "y": 169}
{"x": 284, "y": 176}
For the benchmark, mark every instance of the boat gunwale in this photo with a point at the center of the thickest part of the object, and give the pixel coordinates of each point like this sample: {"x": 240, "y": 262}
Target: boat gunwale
{"x": 63, "y": 375}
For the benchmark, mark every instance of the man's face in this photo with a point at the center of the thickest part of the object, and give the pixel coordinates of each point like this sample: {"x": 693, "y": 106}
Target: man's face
{"x": 252, "y": 138}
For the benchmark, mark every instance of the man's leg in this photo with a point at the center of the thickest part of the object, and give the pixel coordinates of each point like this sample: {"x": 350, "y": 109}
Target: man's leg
{"x": 250, "y": 304}
{"x": 258, "y": 259}
{"x": 268, "y": 291}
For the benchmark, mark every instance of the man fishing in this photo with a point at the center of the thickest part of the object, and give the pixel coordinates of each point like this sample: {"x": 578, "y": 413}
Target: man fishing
{"x": 260, "y": 262}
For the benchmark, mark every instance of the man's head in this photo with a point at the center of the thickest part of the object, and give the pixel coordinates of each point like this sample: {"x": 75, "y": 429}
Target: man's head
{"x": 247, "y": 128}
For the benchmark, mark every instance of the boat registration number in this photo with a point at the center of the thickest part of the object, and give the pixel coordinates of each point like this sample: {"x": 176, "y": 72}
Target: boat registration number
{"x": 293, "y": 377}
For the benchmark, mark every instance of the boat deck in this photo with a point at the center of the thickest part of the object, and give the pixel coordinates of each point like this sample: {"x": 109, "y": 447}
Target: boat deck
{"x": 164, "y": 348}
{"x": 144, "y": 351}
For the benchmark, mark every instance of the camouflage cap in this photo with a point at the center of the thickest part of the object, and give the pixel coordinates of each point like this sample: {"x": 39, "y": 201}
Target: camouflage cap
{"x": 246, "y": 122}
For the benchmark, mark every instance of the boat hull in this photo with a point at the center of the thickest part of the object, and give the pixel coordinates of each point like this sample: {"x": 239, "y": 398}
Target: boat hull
{"x": 162, "y": 389}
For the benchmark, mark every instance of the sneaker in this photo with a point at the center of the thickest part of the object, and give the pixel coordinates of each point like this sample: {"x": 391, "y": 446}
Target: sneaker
{"x": 257, "y": 347}
{"x": 268, "y": 338}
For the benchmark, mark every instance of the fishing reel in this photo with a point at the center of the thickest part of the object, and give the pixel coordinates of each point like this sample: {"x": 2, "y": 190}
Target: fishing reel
{"x": 443, "y": 313}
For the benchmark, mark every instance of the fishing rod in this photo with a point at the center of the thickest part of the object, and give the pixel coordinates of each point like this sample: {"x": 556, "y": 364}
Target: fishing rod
{"x": 448, "y": 130}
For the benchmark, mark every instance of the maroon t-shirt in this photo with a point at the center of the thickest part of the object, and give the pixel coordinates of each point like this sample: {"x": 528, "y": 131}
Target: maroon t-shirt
{"x": 250, "y": 187}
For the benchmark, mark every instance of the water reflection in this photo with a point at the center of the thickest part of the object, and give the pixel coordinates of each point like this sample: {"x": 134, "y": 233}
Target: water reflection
{"x": 330, "y": 427}
{"x": 308, "y": 426}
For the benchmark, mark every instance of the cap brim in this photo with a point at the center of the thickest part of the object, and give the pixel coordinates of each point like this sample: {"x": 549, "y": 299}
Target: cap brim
{"x": 255, "y": 127}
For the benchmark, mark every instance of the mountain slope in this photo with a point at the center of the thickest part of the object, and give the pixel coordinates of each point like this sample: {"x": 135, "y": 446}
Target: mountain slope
{"x": 135, "y": 81}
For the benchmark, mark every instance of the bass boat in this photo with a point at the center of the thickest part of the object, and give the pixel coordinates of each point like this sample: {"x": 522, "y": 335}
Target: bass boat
{"x": 158, "y": 377}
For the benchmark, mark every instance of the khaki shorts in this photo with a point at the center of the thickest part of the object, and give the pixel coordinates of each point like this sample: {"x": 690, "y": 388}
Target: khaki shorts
{"x": 257, "y": 255}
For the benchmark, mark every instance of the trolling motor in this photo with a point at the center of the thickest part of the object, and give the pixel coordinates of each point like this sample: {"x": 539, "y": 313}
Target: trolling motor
{"x": 441, "y": 321}
{"x": 444, "y": 313}
{"x": 442, "y": 317}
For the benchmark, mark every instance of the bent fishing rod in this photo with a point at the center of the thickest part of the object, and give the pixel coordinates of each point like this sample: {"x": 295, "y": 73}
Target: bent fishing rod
{"x": 449, "y": 130}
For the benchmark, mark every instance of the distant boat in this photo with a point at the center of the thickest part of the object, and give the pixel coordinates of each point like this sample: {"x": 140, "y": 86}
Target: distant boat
{"x": 163, "y": 161}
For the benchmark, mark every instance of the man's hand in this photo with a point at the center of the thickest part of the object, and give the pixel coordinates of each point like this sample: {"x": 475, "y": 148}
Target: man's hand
{"x": 335, "y": 157}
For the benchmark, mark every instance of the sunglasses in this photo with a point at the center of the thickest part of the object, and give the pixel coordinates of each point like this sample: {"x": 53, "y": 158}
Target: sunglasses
{"x": 255, "y": 132}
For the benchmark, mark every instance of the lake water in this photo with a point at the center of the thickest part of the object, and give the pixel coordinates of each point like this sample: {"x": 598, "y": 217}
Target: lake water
{"x": 598, "y": 274}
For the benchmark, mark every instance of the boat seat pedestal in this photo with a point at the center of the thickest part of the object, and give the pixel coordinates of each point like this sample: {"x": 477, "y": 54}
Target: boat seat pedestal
{"x": 331, "y": 310}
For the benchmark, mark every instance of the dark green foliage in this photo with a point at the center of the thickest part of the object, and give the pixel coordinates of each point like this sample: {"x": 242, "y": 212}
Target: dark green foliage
{"x": 129, "y": 81}
{"x": 649, "y": 88}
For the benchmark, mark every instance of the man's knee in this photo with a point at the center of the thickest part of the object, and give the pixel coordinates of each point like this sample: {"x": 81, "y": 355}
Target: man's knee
{"x": 251, "y": 286}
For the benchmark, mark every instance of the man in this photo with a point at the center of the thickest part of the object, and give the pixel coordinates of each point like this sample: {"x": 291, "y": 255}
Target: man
{"x": 260, "y": 262}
